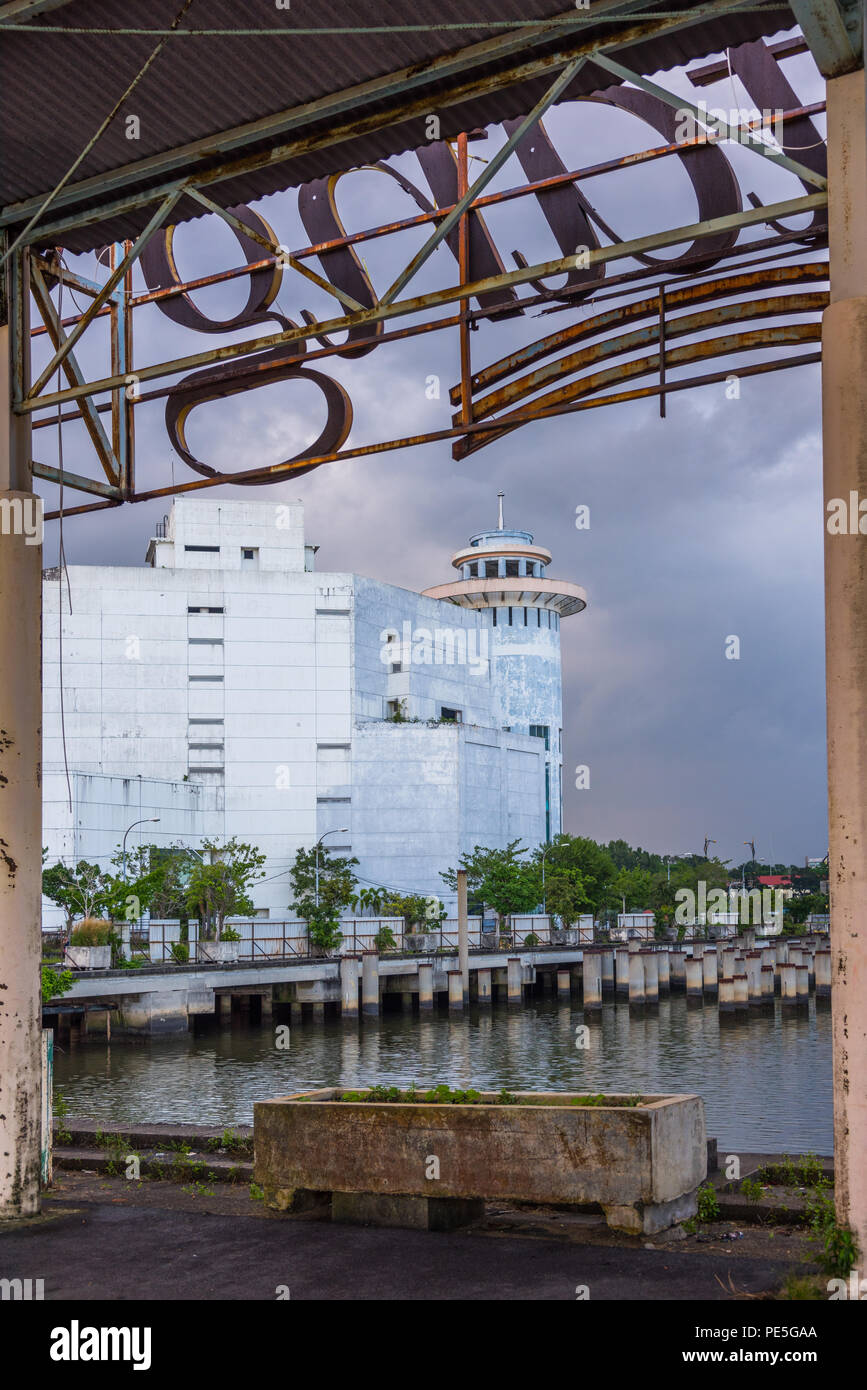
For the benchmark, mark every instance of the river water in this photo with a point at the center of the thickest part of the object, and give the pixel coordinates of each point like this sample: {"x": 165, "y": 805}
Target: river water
{"x": 765, "y": 1078}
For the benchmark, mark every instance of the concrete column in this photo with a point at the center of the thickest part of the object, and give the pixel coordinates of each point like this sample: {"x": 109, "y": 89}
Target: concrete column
{"x": 651, "y": 977}
{"x": 514, "y": 980}
{"x": 781, "y": 950}
{"x": 266, "y": 1010}
{"x": 296, "y": 1013}
{"x": 622, "y": 969}
{"x": 767, "y": 984}
{"x": 564, "y": 984}
{"x": 483, "y": 985}
{"x": 318, "y": 1011}
{"x": 463, "y": 935}
{"x": 456, "y": 990}
{"x": 709, "y": 972}
{"x": 742, "y": 991}
{"x": 727, "y": 962}
{"x": 592, "y": 980}
{"x": 789, "y": 984}
{"x": 802, "y": 984}
{"x": 349, "y": 966}
{"x": 663, "y": 966}
{"x": 633, "y": 945}
{"x": 370, "y": 983}
{"x": 677, "y": 970}
{"x": 694, "y": 979}
{"x": 698, "y": 948}
{"x": 20, "y": 798}
{"x": 823, "y": 974}
{"x": 636, "y": 980}
{"x": 425, "y": 986}
{"x": 607, "y": 960}
{"x": 726, "y": 994}
{"x": 406, "y": 1001}
{"x": 754, "y": 977}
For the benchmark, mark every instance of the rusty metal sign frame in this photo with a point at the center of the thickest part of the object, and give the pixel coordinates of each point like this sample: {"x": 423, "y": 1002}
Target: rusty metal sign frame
{"x": 457, "y": 215}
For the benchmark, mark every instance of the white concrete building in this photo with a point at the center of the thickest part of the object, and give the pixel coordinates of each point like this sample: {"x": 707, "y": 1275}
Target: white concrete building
{"x": 226, "y": 688}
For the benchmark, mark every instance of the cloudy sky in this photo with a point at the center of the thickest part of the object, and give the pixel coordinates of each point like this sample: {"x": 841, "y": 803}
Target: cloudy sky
{"x": 703, "y": 526}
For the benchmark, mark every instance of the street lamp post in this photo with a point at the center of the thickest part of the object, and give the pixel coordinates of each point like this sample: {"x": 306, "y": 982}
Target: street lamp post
{"x": 147, "y": 820}
{"x": 342, "y": 830}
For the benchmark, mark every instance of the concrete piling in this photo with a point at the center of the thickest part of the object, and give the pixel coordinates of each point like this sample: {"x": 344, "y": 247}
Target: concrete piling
{"x": 483, "y": 979}
{"x": 514, "y": 980}
{"x": 694, "y": 979}
{"x": 370, "y": 983}
{"x": 425, "y": 985}
{"x": 802, "y": 984}
{"x": 823, "y": 973}
{"x": 651, "y": 977}
{"x": 710, "y": 983}
{"x": 726, "y": 994}
{"x": 754, "y": 977}
{"x": 788, "y": 983}
{"x": 677, "y": 970}
{"x": 636, "y": 980}
{"x": 622, "y": 969}
{"x": 592, "y": 979}
{"x": 349, "y": 967}
{"x": 742, "y": 994}
{"x": 456, "y": 990}
{"x": 663, "y": 965}
{"x": 766, "y": 974}
{"x": 607, "y": 961}
{"x": 564, "y": 984}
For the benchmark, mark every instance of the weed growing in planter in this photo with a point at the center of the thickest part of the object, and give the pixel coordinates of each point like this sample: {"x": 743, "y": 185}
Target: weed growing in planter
{"x": 708, "y": 1206}
{"x": 752, "y": 1189}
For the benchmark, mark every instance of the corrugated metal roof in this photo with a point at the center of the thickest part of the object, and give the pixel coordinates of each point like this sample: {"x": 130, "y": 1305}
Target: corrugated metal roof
{"x": 57, "y": 89}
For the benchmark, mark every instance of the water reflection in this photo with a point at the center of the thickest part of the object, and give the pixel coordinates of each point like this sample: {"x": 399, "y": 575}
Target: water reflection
{"x": 765, "y": 1077}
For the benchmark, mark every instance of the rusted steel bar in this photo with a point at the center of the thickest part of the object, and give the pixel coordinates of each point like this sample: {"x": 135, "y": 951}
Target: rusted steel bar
{"x": 780, "y": 336}
{"x": 662, "y": 352}
{"x": 435, "y": 436}
{"x": 437, "y": 298}
{"x": 114, "y": 279}
{"x": 463, "y": 274}
{"x": 677, "y": 297}
{"x": 774, "y": 306}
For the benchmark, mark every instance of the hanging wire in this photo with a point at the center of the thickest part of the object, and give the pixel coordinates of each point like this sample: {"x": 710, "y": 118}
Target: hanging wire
{"x": 62, "y": 567}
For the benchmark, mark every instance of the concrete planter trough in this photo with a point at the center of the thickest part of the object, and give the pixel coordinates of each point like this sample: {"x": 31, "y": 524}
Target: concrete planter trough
{"x": 642, "y": 1163}
{"x": 565, "y": 936}
{"x": 426, "y": 941}
{"x": 217, "y": 952}
{"x": 89, "y": 957}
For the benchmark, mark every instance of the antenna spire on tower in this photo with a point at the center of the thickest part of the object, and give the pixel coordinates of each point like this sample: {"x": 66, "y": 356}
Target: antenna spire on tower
{"x": 500, "y": 496}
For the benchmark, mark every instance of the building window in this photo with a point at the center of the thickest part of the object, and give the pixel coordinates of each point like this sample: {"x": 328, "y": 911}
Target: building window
{"x": 511, "y": 569}
{"x": 206, "y": 678}
{"x": 203, "y": 549}
{"x": 491, "y": 569}
{"x": 249, "y": 558}
{"x": 509, "y": 611}
{"x": 540, "y": 731}
{"x": 451, "y": 716}
{"x": 396, "y": 667}
{"x": 494, "y": 611}
{"x": 205, "y": 610}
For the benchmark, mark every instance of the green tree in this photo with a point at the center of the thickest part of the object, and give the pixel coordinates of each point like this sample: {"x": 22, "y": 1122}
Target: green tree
{"x": 590, "y": 861}
{"x": 337, "y": 884}
{"x": 220, "y": 889}
{"x": 565, "y": 895}
{"x": 500, "y": 879}
{"x": 81, "y": 890}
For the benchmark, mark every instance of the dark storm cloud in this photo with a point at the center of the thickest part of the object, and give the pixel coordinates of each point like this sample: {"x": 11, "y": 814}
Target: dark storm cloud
{"x": 703, "y": 527}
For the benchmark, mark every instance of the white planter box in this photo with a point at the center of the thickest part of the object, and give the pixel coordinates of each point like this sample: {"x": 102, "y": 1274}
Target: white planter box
{"x": 89, "y": 957}
{"x": 217, "y": 952}
{"x": 421, "y": 941}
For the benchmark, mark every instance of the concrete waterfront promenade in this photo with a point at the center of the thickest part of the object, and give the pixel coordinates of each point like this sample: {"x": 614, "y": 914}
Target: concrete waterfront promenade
{"x": 105, "y": 1238}
{"x": 733, "y": 975}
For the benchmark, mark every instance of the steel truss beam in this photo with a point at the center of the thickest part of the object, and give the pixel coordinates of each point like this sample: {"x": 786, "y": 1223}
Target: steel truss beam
{"x": 438, "y": 298}
{"x": 835, "y": 48}
{"x": 395, "y": 85}
{"x": 493, "y": 166}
